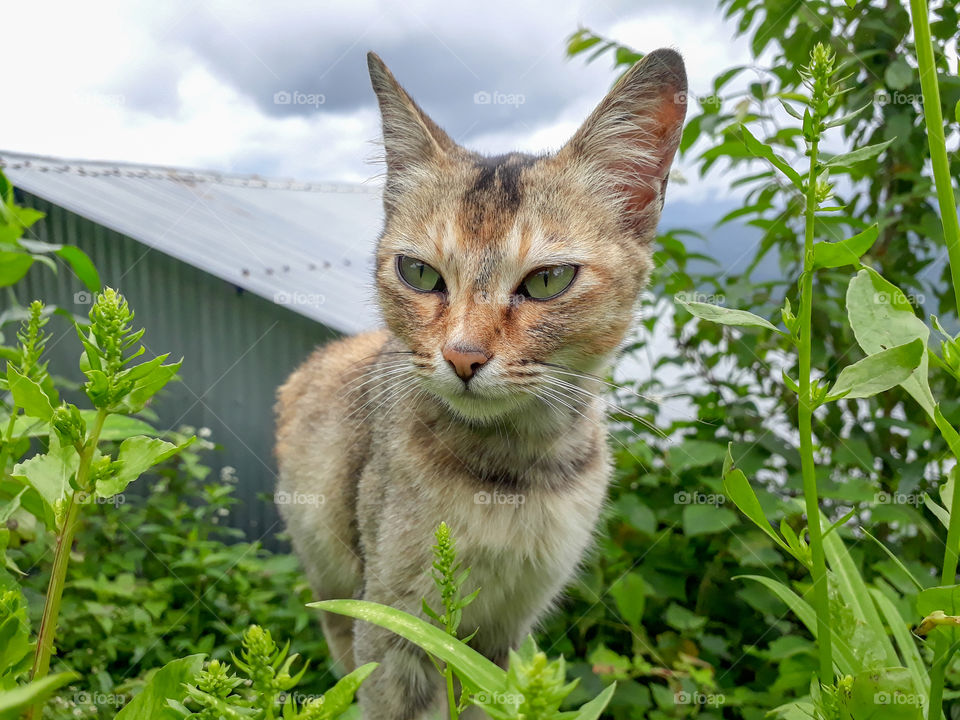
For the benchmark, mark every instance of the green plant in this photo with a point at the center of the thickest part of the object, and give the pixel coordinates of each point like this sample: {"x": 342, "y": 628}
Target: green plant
{"x": 74, "y": 469}
{"x": 895, "y": 343}
{"x": 218, "y": 694}
{"x": 531, "y": 688}
{"x": 869, "y": 452}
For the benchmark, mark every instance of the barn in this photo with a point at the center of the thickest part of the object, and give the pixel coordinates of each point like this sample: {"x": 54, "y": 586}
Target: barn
{"x": 240, "y": 275}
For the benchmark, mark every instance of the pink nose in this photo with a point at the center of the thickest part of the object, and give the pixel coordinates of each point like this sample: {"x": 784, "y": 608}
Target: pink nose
{"x": 465, "y": 361}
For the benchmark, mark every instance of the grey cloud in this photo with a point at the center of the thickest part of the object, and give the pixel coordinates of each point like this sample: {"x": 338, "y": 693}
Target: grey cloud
{"x": 469, "y": 70}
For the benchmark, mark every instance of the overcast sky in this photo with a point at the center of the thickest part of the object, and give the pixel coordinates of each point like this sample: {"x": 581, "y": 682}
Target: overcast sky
{"x": 280, "y": 88}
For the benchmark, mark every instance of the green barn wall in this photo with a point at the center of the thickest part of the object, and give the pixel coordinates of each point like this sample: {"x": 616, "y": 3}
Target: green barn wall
{"x": 237, "y": 348}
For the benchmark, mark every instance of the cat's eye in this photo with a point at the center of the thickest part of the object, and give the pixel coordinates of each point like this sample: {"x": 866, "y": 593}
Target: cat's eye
{"x": 418, "y": 275}
{"x": 547, "y": 283}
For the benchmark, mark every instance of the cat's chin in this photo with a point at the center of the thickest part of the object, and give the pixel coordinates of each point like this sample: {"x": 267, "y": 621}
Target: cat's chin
{"x": 478, "y": 409}
{"x": 482, "y": 408}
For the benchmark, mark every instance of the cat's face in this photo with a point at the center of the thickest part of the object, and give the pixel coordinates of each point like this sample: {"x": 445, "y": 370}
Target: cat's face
{"x": 507, "y": 276}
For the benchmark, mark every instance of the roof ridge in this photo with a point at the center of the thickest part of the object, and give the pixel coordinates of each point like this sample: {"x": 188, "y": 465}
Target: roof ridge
{"x": 96, "y": 168}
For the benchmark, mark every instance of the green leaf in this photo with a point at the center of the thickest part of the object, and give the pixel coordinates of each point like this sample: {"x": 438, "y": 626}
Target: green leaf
{"x": 896, "y": 561}
{"x": 82, "y": 266}
{"x": 845, "y": 252}
{"x": 705, "y": 519}
{"x": 119, "y": 427}
{"x": 945, "y": 598}
{"x": 758, "y": 149}
{"x": 13, "y": 266}
{"x": 637, "y": 514}
{"x": 148, "y": 385}
{"x": 905, "y": 639}
{"x": 846, "y": 160}
{"x": 468, "y": 663}
{"x": 882, "y": 318}
{"x": 726, "y": 316}
{"x": 168, "y": 683}
{"x": 853, "y": 590}
{"x": 28, "y": 395}
{"x": 593, "y": 709}
{"x": 630, "y": 595}
{"x": 137, "y": 455}
{"x": 885, "y": 694}
{"x": 338, "y": 698}
{"x": 115, "y": 427}
{"x": 14, "y": 702}
{"x": 49, "y": 474}
{"x": 737, "y": 488}
{"x": 846, "y": 661}
{"x": 898, "y": 74}
{"x": 692, "y": 453}
{"x": 679, "y": 618}
{"x": 879, "y": 372}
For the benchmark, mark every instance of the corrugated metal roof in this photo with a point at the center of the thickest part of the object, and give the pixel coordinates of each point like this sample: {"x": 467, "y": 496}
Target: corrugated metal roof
{"x": 308, "y": 246}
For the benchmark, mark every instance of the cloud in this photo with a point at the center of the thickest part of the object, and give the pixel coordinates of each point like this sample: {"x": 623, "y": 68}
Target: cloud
{"x": 195, "y": 83}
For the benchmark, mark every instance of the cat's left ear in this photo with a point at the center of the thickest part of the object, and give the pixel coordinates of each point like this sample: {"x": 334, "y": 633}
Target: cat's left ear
{"x": 627, "y": 144}
{"x": 410, "y": 137}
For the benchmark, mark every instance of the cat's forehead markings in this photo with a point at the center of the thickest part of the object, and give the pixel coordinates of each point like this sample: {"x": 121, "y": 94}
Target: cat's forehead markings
{"x": 491, "y": 203}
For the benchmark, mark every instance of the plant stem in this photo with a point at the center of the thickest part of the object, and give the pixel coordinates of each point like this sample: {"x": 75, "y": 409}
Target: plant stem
{"x": 447, "y": 670}
{"x": 933, "y": 118}
{"x": 61, "y": 558}
{"x": 821, "y": 594}
{"x": 8, "y": 439}
{"x": 451, "y": 695}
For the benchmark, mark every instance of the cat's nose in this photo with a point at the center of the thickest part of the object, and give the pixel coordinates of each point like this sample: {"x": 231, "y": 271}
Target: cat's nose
{"x": 464, "y": 360}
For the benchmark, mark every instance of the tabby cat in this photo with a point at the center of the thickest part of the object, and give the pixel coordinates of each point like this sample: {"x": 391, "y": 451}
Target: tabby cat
{"x": 507, "y": 285}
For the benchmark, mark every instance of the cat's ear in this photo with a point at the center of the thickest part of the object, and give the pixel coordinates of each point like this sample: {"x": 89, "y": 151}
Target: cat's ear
{"x": 410, "y": 137}
{"x": 627, "y": 144}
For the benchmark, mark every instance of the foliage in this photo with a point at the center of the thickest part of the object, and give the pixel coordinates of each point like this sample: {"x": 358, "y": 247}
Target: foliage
{"x": 269, "y": 693}
{"x": 531, "y": 688}
{"x": 875, "y": 458}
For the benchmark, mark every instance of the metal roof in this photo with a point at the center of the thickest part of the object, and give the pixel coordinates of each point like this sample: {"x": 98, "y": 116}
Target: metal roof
{"x": 308, "y": 246}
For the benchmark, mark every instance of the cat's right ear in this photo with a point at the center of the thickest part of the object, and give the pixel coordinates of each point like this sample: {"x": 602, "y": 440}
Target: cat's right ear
{"x": 410, "y": 138}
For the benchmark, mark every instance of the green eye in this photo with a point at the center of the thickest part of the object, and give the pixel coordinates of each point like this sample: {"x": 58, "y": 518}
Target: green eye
{"x": 548, "y": 282}
{"x": 418, "y": 275}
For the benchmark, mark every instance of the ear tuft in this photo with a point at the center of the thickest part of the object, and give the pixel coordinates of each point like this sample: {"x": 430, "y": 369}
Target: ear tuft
{"x": 627, "y": 144}
{"x": 410, "y": 137}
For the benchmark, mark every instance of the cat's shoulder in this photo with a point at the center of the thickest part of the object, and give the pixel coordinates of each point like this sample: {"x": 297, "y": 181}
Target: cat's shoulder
{"x": 327, "y": 369}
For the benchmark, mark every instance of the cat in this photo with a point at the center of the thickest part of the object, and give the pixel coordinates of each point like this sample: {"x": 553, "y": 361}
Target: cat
{"x": 507, "y": 285}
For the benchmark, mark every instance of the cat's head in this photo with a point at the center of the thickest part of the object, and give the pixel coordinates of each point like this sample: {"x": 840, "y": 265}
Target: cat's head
{"x": 502, "y": 273}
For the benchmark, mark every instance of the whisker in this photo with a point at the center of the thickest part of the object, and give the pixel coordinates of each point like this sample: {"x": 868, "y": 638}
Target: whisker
{"x": 558, "y": 382}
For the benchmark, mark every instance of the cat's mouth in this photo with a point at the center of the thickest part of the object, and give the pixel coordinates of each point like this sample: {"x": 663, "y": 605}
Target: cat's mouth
{"x": 478, "y": 401}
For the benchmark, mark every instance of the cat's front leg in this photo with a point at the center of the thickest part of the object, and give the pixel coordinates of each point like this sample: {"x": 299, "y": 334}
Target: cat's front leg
{"x": 406, "y": 685}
